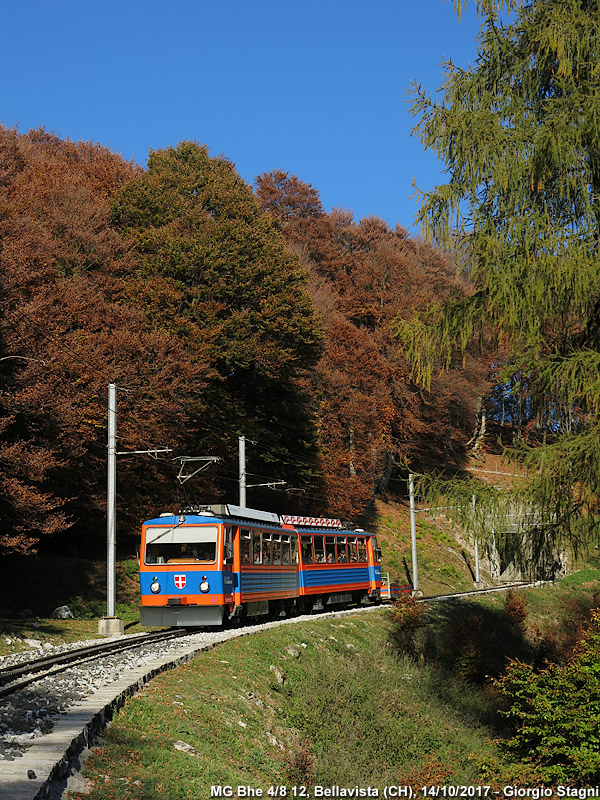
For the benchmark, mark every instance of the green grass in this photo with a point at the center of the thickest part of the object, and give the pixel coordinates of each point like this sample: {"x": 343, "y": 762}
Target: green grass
{"x": 549, "y": 604}
{"x": 443, "y": 565}
{"x": 351, "y": 711}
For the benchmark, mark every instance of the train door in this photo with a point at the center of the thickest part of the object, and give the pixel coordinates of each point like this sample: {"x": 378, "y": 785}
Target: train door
{"x": 374, "y": 554}
{"x": 228, "y": 582}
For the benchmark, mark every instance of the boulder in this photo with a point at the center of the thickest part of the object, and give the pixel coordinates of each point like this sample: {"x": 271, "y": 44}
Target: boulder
{"x": 62, "y": 612}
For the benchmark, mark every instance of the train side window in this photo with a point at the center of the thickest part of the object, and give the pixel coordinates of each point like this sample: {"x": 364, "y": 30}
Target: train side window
{"x": 319, "y": 550}
{"x": 276, "y": 549}
{"x": 342, "y": 554}
{"x": 362, "y": 549}
{"x": 256, "y": 548}
{"x": 294, "y": 544}
{"x": 376, "y": 550}
{"x": 245, "y": 546}
{"x": 285, "y": 550}
{"x": 266, "y": 548}
{"x": 307, "y": 553}
{"x": 228, "y": 553}
{"x": 330, "y": 549}
{"x": 352, "y": 554}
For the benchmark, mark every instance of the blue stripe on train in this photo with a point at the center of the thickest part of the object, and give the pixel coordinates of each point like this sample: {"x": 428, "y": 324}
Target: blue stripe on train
{"x": 333, "y": 577}
{"x": 269, "y": 581}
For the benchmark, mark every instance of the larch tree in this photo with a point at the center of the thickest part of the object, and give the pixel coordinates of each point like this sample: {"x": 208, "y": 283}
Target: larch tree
{"x": 519, "y": 132}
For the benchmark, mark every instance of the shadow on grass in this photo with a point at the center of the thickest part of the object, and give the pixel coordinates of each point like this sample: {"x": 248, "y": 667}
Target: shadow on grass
{"x": 34, "y": 586}
{"x": 21, "y": 628}
{"x": 467, "y": 645}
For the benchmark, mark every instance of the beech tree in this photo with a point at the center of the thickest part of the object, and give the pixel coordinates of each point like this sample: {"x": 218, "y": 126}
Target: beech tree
{"x": 520, "y": 137}
{"x": 65, "y": 333}
{"x": 370, "y": 416}
{"x": 215, "y": 272}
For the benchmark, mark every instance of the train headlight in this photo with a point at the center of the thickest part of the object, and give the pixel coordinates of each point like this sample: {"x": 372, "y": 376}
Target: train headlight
{"x": 204, "y": 586}
{"x": 155, "y": 586}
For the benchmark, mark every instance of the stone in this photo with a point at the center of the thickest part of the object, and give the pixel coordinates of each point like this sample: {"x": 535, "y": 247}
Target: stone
{"x": 279, "y": 674}
{"x": 184, "y": 747}
{"x": 62, "y": 612}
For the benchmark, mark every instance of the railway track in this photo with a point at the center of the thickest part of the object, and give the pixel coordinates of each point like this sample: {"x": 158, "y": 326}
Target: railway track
{"x": 21, "y": 675}
{"x": 479, "y": 592}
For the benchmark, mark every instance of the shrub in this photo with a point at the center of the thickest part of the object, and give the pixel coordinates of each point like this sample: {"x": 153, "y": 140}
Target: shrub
{"x": 515, "y": 608}
{"x": 408, "y": 618}
{"x": 556, "y": 713}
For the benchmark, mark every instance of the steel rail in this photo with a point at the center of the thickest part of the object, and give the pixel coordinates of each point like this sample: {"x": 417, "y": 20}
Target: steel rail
{"x": 20, "y": 675}
{"x": 476, "y": 592}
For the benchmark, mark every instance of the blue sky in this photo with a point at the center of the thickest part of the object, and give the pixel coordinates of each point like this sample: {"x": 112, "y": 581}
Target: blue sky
{"x": 316, "y": 88}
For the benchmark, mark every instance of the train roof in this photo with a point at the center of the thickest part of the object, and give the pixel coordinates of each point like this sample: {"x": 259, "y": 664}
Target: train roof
{"x": 218, "y": 513}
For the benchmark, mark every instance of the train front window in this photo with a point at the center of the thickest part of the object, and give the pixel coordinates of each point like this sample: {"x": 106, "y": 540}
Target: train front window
{"x": 181, "y": 545}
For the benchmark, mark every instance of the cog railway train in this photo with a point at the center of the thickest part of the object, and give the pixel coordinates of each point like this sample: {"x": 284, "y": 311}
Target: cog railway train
{"x": 219, "y": 563}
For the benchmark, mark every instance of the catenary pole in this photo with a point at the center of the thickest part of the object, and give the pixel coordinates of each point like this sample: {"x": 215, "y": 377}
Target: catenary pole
{"x": 242, "y": 470}
{"x": 111, "y": 531}
{"x": 413, "y": 532}
{"x": 477, "y": 577}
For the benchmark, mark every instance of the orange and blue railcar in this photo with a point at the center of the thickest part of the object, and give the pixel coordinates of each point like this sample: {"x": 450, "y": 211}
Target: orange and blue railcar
{"x": 217, "y": 563}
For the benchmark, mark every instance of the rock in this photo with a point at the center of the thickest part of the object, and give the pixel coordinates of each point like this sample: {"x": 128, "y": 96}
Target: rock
{"x": 279, "y": 675}
{"x": 31, "y": 774}
{"x": 184, "y": 747}
{"x": 37, "y": 645}
{"x": 293, "y": 651}
{"x": 62, "y": 612}
{"x": 273, "y": 740}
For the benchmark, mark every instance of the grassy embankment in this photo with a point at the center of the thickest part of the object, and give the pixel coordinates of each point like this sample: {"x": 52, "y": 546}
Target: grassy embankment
{"x": 444, "y": 565}
{"x": 328, "y": 702}
{"x": 353, "y": 708}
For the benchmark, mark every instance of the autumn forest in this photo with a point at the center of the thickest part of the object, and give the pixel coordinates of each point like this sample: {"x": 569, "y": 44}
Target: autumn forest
{"x": 218, "y": 309}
